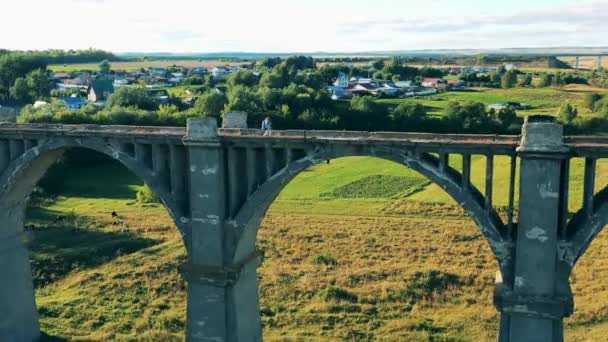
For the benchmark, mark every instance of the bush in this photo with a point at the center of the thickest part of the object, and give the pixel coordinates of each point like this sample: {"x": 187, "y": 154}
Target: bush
{"x": 423, "y": 285}
{"x": 145, "y": 195}
{"x": 336, "y": 293}
{"x": 567, "y": 113}
{"x": 326, "y": 260}
{"x": 590, "y": 99}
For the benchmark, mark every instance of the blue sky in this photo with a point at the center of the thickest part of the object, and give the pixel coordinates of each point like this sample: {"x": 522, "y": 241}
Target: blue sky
{"x": 301, "y": 26}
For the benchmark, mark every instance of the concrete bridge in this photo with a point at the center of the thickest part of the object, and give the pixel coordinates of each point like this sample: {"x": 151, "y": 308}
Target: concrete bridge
{"x": 218, "y": 184}
{"x": 577, "y": 58}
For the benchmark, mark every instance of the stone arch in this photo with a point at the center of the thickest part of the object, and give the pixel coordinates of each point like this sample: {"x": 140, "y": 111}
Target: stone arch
{"x": 17, "y": 300}
{"x": 582, "y": 230}
{"x": 248, "y": 219}
{"x": 23, "y": 173}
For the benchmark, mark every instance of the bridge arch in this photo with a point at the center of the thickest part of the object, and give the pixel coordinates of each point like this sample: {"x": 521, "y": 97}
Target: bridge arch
{"x": 24, "y": 172}
{"x": 248, "y": 219}
{"x": 18, "y": 179}
{"x": 585, "y": 226}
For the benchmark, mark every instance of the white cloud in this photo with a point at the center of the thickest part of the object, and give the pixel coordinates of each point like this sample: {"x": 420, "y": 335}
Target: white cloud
{"x": 284, "y": 25}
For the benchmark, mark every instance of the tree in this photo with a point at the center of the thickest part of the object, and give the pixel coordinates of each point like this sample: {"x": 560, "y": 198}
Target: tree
{"x": 241, "y": 98}
{"x": 271, "y": 80}
{"x": 407, "y": 115}
{"x": 211, "y": 104}
{"x": 567, "y": 113}
{"x": 39, "y": 83}
{"x": 242, "y": 77}
{"x": 132, "y": 97}
{"x": 366, "y": 114}
{"x": 299, "y": 63}
{"x": 546, "y": 80}
{"x": 495, "y": 78}
{"x": 525, "y": 81}
{"x": 428, "y": 71}
{"x": 502, "y": 69}
{"x": 378, "y": 64}
{"x": 270, "y": 62}
{"x": 15, "y": 65}
{"x": 378, "y": 75}
{"x": 20, "y": 91}
{"x": 509, "y": 79}
{"x": 104, "y": 67}
{"x": 365, "y": 104}
{"x": 590, "y": 99}
{"x": 468, "y": 116}
{"x": 506, "y": 117}
{"x": 559, "y": 80}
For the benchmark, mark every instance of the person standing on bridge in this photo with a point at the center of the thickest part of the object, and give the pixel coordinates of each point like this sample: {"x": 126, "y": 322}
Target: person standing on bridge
{"x": 266, "y": 126}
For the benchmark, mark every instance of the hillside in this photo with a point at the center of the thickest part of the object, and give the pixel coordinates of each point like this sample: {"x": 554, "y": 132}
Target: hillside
{"x": 360, "y": 249}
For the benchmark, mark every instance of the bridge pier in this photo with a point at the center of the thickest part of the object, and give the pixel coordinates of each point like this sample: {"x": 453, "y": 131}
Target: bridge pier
{"x": 222, "y": 298}
{"x": 18, "y": 313}
{"x": 533, "y": 306}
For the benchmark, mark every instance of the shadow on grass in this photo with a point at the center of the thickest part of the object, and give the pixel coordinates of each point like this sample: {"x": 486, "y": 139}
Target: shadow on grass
{"x": 48, "y": 338}
{"x": 57, "y": 249}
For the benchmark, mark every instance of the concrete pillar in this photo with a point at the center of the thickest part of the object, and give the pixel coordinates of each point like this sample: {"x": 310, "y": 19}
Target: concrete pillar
{"x": 177, "y": 172}
{"x": 577, "y": 62}
{"x": 532, "y": 307}
{"x": 599, "y": 62}
{"x": 5, "y": 155}
{"x": 160, "y": 163}
{"x": 15, "y": 148}
{"x": 206, "y": 312}
{"x": 223, "y": 300}
{"x": 18, "y": 313}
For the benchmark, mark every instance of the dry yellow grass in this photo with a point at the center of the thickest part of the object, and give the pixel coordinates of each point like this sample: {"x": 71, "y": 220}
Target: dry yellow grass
{"x": 337, "y": 269}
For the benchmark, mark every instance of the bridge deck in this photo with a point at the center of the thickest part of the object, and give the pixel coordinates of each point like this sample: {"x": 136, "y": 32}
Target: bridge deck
{"x": 585, "y": 146}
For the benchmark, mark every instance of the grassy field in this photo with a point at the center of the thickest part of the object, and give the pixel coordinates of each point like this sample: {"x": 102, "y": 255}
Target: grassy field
{"x": 542, "y": 100}
{"x": 360, "y": 249}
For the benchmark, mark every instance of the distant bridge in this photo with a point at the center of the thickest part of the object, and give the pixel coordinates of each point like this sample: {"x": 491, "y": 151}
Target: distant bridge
{"x": 218, "y": 184}
{"x": 577, "y": 58}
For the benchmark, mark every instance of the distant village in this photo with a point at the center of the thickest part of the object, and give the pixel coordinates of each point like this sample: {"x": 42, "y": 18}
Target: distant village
{"x": 156, "y": 80}
{"x": 100, "y": 87}
{"x": 346, "y": 87}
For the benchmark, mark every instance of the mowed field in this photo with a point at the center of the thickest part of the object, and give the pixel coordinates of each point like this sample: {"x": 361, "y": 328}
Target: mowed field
{"x": 541, "y": 100}
{"x": 360, "y": 249}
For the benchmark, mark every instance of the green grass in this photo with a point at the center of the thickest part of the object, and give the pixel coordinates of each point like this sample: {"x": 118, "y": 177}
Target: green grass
{"x": 357, "y": 249}
{"x": 542, "y": 100}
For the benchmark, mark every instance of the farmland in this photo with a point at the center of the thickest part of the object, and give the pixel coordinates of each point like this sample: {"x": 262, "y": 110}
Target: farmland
{"x": 357, "y": 249}
{"x": 542, "y": 100}
{"x": 132, "y": 66}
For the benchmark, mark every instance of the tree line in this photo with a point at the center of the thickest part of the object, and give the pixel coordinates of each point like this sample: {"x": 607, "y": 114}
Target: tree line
{"x": 292, "y": 93}
{"x": 24, "y": 76}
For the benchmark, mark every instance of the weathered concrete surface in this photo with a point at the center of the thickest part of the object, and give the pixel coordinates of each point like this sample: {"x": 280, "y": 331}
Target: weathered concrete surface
{"x": 532, "y": 307}
{"x": 8, "y": 114}
{"x": 234, "y": 120}
{"x": 218, "y": 183}
{"x": 18, "y": 314}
